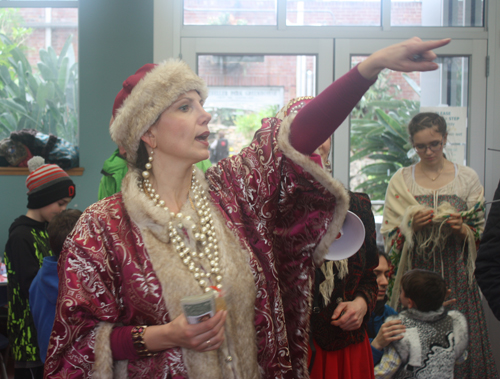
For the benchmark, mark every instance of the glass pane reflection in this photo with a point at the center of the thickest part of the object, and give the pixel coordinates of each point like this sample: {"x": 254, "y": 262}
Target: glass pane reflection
{"x": 244, "y": 89}
{"x": 326, "y": 13}
{"x": 379, "y": 138}
{"x": 437, "y": 13}
{"x": 230, "y": 12}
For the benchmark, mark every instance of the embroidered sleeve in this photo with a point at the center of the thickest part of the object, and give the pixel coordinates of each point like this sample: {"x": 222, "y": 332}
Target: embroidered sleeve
{"x": 282, "y": 205}
{"x": 87, "y": 297}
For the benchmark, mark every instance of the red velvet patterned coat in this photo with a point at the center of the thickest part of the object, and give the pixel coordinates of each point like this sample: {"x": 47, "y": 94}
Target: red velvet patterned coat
{"x": 275, "y": 212}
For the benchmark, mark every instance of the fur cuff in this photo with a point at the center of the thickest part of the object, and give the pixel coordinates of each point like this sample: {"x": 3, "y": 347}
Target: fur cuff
{"x": 104, "y": 366}
{"x": 332, "y": 185}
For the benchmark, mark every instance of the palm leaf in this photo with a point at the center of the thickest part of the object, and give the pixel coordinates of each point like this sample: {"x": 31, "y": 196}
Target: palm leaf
{"x": 412, "y": 83}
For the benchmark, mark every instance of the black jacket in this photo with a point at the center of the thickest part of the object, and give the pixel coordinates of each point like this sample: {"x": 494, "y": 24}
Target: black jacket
{"x": 360, "y": 280}
{"x": 488, "y": 258}
{"x": 26, "y": 247}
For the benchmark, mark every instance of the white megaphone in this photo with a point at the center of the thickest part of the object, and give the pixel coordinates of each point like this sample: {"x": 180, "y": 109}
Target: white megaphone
{"x": 349, "y": 240}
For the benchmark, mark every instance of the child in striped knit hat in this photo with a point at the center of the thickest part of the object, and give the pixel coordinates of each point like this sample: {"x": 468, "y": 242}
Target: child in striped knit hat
{"x": 50, "y": 190}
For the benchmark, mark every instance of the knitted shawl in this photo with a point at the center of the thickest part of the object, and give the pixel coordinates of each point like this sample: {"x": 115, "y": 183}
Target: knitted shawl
{"x": 401, "y": 242}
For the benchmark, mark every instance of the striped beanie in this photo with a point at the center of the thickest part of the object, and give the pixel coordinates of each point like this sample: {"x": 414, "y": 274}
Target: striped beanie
{"x": 47, "y": 183}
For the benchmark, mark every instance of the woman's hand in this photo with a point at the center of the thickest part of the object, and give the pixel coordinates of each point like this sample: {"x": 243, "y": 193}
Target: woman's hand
{"x": 456, "y": 223}
{"x": 410, "y": 55}
{"x": 205, "y": 336}
{"x": 421, "y": 219}
{"x": 349, "y": 314}
{"x": 390, "y": 331}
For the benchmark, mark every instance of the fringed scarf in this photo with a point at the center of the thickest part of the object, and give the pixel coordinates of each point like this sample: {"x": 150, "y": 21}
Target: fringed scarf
{"x": 327, "y": 286}
{"x": 401, "y": 242}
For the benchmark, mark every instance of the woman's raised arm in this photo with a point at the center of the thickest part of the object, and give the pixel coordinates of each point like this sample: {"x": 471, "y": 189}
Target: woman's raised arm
{"x": 322, "y": 116}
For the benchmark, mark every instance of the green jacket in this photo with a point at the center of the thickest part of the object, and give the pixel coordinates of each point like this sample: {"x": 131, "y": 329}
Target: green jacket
{"x": 114, "y": 170}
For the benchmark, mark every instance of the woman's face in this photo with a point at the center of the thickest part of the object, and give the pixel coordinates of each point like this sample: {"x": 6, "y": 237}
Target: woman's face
{"x": 429, "y": 145}
{"x": 181, "y": 133}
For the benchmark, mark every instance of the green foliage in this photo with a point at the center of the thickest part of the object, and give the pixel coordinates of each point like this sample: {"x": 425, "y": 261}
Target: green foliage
{"x": 46, "y": 100}
{"x": 379, "y": 136}
{"x": 223, "y": 116}
{"x": 10, "y": 21}
{"x": 247, "y": 124}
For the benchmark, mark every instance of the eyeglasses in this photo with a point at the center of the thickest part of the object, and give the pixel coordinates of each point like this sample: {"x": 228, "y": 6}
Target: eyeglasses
{"x": 433, "y": 146}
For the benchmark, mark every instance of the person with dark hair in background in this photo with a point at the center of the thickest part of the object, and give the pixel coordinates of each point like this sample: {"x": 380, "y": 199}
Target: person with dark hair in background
{"x": 488, "y": 257}
{"x": 435, "y": 339}
{"x": 219, "y": 148}
{"x": 433, "y": 220}
{"x": 44, "y": 288}
{"x": 381, "y": 334}
{"x": 344, "y": 296}
{"x": 50, "y": 190}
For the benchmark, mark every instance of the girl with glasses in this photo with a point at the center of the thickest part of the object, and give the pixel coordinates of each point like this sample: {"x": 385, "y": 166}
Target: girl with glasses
{"x": 433, "y": 219}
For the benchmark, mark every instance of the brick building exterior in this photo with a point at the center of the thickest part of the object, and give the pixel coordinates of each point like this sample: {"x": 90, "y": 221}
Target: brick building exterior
{"x": 51, "y": 27}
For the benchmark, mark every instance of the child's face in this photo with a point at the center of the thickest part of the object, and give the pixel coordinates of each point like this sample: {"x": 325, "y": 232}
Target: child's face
{"x": 48, "y": 212}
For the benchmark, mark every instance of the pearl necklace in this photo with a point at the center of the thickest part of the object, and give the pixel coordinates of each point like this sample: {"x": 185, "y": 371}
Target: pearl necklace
{"x": 206, "y": 247}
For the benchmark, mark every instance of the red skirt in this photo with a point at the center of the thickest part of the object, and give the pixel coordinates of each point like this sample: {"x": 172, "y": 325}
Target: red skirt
{"x": 352, "y": 362}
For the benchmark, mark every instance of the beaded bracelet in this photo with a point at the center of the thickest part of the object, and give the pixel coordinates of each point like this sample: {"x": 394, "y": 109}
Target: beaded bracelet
{"x": 138, "y": 341}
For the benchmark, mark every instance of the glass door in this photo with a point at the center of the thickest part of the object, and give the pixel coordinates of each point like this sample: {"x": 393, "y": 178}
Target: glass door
{"x": 375, "y": 137}
{"x": 249, "y": 81}
{"x": 372, "y": 144}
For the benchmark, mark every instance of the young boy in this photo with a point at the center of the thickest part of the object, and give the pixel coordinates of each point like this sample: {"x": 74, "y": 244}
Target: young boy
{"x": 435, "y": 339}
{"x": 50, "y": 190}
{"x": 44, "y": 288}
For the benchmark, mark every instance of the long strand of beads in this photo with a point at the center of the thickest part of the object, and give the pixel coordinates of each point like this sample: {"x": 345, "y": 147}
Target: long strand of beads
{"x": 203, "y": 234}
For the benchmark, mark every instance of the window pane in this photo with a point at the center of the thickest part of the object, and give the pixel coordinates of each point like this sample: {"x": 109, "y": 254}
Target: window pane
{"x": 229, "y": 12}
{"x": 379, "y": 137}
{"x": 43, "y": 44}
{"x": 321, "y": 13}
{"x": 437, "y": 12}
{"x": 245, "y": 89}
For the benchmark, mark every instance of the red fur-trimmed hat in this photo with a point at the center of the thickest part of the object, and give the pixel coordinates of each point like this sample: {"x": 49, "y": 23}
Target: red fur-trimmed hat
{"x": 151, "y": 90}
{"x": 47, "y": 183}
{"x": 129, "y": 84}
